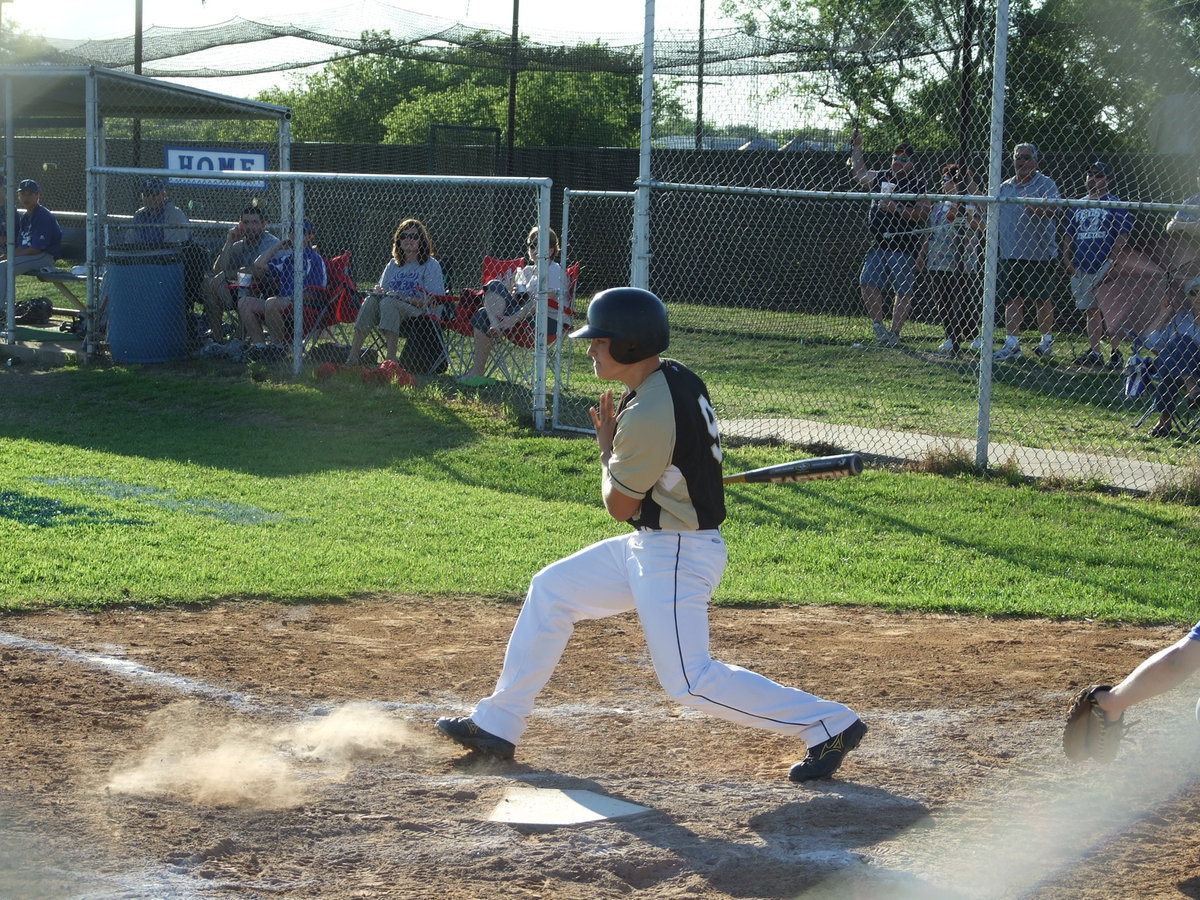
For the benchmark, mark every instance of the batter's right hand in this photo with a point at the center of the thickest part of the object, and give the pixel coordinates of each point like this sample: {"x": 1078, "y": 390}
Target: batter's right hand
{"x": 605, "y": 421}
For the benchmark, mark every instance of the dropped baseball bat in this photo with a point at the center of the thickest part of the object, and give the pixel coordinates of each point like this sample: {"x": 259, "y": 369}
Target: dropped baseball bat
{"x": 821, "y": 467}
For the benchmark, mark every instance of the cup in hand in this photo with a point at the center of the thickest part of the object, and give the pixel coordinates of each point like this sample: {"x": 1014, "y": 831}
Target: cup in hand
{"x": 886, "y": 187}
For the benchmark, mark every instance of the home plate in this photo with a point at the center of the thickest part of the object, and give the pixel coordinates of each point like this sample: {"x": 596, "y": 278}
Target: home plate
{"x": 524, "y": 805}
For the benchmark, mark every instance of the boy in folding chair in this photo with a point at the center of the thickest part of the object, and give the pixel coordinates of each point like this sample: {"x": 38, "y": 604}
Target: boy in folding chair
{"x": 274, "y": 270}
{"x": 1175, "y": 337}
{"x": 504, "y": 307}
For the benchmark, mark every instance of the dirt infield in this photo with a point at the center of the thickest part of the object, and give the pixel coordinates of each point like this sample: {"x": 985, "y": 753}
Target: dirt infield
{"x": 264, "y": 750}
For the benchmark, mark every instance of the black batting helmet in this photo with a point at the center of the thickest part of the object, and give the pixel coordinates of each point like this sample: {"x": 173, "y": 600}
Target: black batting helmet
{"x": 634, "y": 321}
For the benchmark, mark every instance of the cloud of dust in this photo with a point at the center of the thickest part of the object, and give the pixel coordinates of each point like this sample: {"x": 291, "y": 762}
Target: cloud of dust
{"x": 211, "y": 758}
{"x": 352, "y": 732}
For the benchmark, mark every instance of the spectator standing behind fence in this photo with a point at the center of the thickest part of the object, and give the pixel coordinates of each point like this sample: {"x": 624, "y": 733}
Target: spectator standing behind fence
{"x": 233, "y": 269}
{"x": 1184, "y": 228}
{"x": 1028, "y": 254}
{"x": 897, "y": 227}
{"x": 505, "y": 306}
{"x": 159, "y": 221}
{"x": 38, "y": 239}
{"x": 1091, "y": 239}
{"x": 274, "y": 270}
{"x": 412, "y": 282}
{"x": 1175, "y": 336}
{"x": 949, "y": 256}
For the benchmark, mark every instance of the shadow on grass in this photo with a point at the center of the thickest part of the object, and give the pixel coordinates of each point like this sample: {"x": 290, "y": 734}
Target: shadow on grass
{"x": 229, "y": 421}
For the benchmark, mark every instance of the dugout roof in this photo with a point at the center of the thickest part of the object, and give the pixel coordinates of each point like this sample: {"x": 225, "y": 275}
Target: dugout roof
{"x": 51, "y": 96}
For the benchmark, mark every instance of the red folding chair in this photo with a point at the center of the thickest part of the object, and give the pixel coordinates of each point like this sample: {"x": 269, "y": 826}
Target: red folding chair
{"x": 511, "y": 352}
{"x": 336, "y": 304}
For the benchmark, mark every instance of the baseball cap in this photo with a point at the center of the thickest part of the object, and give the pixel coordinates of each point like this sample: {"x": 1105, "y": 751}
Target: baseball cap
{"x": 307, "y": 225}
{"x": 29, "y": 185}
{"x": 153, "y": 186}
{"x": 904, "y": 149}
{"x": 1100, "y": 169}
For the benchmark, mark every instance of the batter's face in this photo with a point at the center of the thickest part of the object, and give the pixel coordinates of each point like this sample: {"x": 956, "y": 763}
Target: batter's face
{"x": 606, "y": 367}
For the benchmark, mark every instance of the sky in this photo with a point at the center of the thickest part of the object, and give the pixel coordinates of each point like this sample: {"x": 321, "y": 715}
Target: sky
{"x": 571, "y": 21}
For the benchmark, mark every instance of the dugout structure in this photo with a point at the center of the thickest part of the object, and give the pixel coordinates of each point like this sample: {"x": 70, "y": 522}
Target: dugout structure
{"x": 118, "y": 119}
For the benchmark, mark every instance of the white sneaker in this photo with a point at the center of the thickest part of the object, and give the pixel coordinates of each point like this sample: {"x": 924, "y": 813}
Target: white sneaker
{"x": 1044, "y": 347}
{"x": 945, "y": 348}
{"x": 881, "y": 333}
{"x": 977, "y": 344}
{"x": 1007, "y": 352}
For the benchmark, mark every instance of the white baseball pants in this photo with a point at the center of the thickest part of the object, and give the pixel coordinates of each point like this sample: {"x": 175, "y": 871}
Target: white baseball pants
{"x": 669, "y": 578}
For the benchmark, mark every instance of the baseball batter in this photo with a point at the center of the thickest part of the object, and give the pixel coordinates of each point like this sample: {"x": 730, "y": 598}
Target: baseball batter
{"x": 660, "y": 452}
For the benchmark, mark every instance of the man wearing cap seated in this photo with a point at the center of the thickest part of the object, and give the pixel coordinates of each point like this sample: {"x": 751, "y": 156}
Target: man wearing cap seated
{"x": 274, "y": 270}
{"x": 159, "y": 221}
{"x": 38, "y": 239}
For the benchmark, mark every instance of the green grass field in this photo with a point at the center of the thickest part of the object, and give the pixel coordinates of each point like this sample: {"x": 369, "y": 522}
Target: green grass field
{"x": 773, "y": 364}
{"x": 189, "y": 485}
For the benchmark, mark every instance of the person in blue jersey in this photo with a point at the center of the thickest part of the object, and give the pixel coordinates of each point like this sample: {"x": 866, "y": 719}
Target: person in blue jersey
{"x": 274, "y": 269}
{"x": 660, "y": 459}
{"x": 1091, "y": 240}
{"x": 38, "y": 240}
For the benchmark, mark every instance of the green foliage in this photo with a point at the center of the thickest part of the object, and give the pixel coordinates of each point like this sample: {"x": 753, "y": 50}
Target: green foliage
{"x": 1080, "y": 73}
{"x": 18, "y": 48}
{"x": 585, "y": 96}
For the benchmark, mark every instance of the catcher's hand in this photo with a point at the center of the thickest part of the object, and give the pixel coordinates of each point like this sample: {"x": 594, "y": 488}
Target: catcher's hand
{"x": 1088, "y": 733}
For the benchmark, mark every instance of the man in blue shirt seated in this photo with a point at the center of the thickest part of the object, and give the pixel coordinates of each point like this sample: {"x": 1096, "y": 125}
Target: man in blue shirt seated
{"x": 1175, "y": 336}
{"x": 38, "y": 238}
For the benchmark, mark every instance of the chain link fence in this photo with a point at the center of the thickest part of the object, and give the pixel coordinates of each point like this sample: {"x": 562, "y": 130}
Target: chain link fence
{"x": 910, "y": 269}
{"x": 392, "y": 268}
{"x": 773, "y": 147}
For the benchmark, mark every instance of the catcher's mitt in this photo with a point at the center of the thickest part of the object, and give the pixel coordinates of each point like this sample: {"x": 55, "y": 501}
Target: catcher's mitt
{"x": 1088, "y": 733}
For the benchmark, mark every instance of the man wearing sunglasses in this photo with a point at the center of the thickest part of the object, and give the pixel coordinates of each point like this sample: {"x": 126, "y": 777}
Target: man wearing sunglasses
{"x": 1028, "y": 254}
{"x": 897, "y": 227}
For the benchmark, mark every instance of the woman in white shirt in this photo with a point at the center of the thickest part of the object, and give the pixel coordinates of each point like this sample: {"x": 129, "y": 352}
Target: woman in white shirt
{"x": 411, "y": 285}
{"x": 503, "y": 307}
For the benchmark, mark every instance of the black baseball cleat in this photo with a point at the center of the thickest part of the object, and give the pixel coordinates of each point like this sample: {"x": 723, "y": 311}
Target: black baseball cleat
{"x": 463, "y": 731}
{"x": 823, "y": 760}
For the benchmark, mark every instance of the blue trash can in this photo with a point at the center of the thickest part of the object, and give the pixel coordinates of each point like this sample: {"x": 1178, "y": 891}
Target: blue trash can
{"x": 146, "y": 315}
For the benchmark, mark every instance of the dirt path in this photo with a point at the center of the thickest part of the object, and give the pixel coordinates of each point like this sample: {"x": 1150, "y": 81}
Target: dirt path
{"x": 262, "y": 750}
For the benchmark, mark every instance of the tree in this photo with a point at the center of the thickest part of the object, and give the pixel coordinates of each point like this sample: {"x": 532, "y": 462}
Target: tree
{"x": 587, "y": 95}
{"x": 1081, "y": 73}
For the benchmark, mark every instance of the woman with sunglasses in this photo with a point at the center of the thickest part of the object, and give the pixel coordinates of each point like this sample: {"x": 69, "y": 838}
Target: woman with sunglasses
{"x": 410, "y": 286}
{"x": 504, "y": 306}
{"x": 949, "y": 257}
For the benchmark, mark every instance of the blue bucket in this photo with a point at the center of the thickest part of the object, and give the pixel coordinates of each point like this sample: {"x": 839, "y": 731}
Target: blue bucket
{"x": 146, "y": 320}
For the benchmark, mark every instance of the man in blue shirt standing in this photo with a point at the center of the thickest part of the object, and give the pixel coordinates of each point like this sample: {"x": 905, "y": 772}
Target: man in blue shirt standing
{"x": 1090, "y": 241}
{"x": 38, "y": 238}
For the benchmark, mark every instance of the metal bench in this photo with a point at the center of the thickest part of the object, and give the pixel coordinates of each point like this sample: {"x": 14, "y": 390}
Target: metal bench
{"x": 74, "y": 246}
